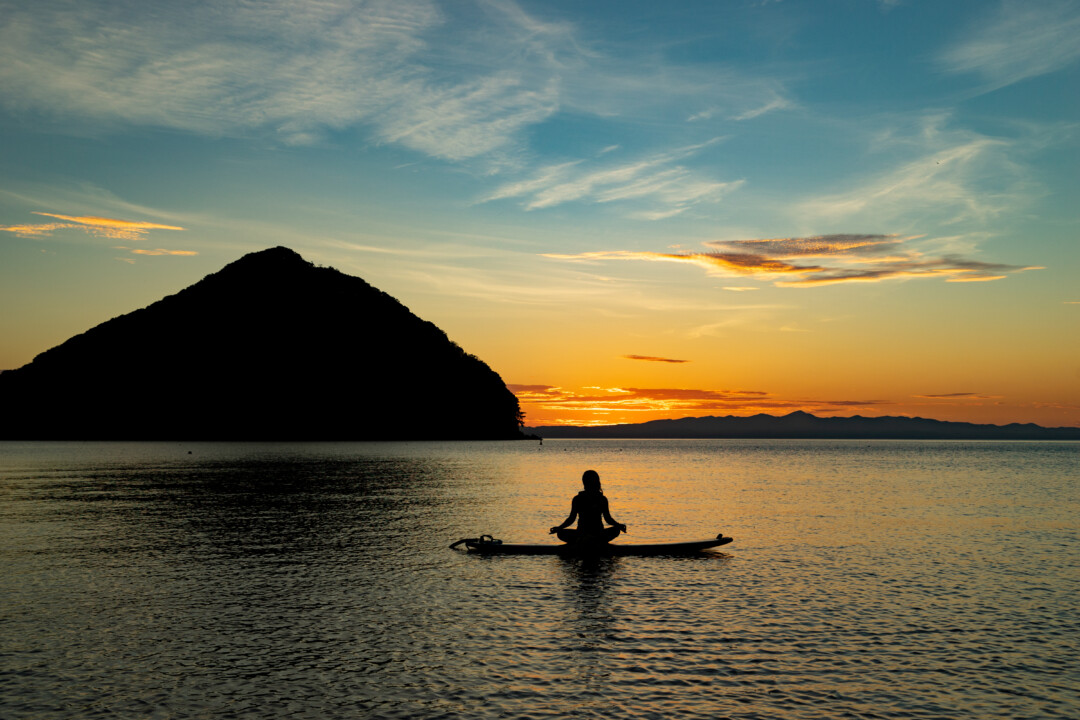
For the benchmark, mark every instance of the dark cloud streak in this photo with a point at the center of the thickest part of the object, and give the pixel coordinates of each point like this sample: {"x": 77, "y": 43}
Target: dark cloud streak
{"x": 650, "y": 358}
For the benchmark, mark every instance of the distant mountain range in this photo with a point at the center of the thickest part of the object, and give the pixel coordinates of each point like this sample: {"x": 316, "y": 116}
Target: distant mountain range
{"x": 271, "y": 347}
{"x": 801, "y": 425}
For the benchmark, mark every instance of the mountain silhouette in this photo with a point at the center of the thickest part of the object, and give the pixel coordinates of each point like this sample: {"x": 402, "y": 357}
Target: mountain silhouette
{"x": 271, "y": 347}
{"x": 802, "y": 425}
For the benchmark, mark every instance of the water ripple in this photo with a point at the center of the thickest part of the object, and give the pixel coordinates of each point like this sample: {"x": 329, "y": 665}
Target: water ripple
{"x": 314, "y": 582}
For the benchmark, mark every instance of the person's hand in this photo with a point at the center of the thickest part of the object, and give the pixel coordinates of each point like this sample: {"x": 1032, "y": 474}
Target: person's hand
{"x": 553, "y": 530}
{"x": 623, "y": 528}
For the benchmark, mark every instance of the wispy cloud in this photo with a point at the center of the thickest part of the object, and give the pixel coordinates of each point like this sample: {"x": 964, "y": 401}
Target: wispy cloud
{"x": 958, "y": 396}
{"x": 651, "y": 358}
{"x": 842, "y": 258}
{"x": 85, "y": 194}
{"x": 840, "y": 245}
{"x": 36, "y": 230}
{"x": 1019, "y": 40}
{"x": 772, "y": 101}
{"x": 648, "y": 87}
{"x": 948, "y": 182}
{"x": 776, "y": 102}
{"x": 928, "y": 172}
{"x": 455, "y": 81}
{"x": 415, "y": 75}
{"x": 103, "y": 227}
{"x": 157, "y": 252}
{"x": 659, "y": 179}
{"x": 112, "y": 228}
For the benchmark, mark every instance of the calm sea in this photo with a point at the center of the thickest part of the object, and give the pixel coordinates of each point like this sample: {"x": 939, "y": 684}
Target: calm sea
{"x": 868, "y": 579}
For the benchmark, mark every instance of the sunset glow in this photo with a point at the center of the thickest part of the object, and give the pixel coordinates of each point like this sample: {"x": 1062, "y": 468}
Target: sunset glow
{"x": 630, "y": 211}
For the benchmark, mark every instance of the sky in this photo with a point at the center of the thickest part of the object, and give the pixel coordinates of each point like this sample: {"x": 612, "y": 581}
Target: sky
{"x": 629, "y": 210}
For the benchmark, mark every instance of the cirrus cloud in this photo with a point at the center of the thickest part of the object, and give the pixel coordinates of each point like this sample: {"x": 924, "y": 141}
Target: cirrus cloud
{"x": 103, "y": 227}
{"x": 158, "y": 252}
{"x": 1018, "y": 41}
{"x": 295, "y": 71}
{"x": 99, "y": 226}
{"x": 659, "y": 178}
{"x": 453, "y": 81}
{"x": 839, "y": 258}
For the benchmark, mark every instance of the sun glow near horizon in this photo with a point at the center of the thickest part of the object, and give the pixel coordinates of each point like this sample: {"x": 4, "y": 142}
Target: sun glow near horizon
{"x": 579, "y": 407}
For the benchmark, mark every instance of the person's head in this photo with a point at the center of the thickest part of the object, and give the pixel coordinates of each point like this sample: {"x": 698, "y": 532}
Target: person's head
{"x": 591, "y": 480}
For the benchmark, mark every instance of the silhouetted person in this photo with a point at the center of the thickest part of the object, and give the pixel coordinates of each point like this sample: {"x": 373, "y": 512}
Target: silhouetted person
{"x": 590, "y": 509}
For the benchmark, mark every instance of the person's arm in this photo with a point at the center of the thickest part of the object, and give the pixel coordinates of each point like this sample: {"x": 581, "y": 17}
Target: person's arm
{"x": 611, "y": 520}
{"x": 568, "y": 521}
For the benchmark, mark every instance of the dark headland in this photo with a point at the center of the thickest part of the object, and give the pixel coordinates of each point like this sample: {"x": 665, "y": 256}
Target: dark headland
{"x": 801, "y": 425}
{"x": 271, "y": 347}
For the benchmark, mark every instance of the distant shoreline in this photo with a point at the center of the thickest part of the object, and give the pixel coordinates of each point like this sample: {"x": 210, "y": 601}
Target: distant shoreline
{"x": 804, "y": 426}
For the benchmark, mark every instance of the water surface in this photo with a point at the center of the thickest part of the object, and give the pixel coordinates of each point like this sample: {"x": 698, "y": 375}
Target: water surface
{"x": 867, "y": 579}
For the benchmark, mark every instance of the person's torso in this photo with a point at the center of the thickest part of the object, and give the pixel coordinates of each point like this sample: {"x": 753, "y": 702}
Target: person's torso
{"x": 590, "y": 507}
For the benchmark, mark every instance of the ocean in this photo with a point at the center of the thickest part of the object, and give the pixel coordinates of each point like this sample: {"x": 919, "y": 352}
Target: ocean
{"x": 867, "y": 579}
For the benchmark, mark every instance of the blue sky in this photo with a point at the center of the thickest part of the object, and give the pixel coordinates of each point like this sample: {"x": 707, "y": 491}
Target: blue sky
{"x": 823, "y": 202}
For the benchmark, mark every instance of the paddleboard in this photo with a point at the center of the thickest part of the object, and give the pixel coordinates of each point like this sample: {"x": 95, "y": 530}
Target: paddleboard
{"x": 487, "y": 545}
